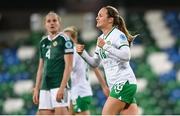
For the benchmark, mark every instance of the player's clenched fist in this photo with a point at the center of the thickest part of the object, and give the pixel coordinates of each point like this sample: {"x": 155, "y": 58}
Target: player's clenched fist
{"x": 100, "y": 42}
{"x": 79, "y": 48}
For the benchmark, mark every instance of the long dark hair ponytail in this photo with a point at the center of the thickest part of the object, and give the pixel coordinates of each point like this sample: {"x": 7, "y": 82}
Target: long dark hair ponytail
{"x": 119, "y": 22}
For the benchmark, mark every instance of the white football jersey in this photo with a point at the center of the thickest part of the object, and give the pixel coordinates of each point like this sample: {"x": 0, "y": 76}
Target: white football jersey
{"x": 116, "y": 70}
{"x": 80, "y": 85}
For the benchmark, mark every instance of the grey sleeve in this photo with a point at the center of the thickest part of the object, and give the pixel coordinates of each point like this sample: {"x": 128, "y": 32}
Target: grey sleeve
{"x": 92, "y": 61}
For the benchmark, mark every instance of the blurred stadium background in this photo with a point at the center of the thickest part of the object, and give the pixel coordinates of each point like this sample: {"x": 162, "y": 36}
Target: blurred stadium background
{"x": 155, "y": 54}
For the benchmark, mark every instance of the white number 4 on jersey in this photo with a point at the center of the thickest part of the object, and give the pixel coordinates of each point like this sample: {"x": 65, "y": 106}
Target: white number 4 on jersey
{"x": 48, "y": 54}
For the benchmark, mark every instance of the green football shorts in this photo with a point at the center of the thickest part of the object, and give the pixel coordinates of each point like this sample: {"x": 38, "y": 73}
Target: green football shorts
{"x": 81, "y": 104}
{"x": 124, "y": 92}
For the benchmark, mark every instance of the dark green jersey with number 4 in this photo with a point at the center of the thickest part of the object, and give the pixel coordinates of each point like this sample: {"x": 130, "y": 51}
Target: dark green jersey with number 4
{"x": 52, "y": 52}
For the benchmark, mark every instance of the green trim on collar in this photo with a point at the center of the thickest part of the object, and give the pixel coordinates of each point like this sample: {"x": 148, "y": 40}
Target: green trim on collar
{"x": 105, "y": 37}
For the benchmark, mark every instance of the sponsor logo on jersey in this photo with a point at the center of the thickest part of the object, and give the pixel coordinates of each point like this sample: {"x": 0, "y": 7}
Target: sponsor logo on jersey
{"x": 68, "y": 44}
{"x": 48, "y": 47}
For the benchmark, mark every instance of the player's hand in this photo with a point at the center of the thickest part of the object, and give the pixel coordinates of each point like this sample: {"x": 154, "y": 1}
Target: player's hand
{"x": 106, "y": 91}
{"x": 79, "y": 48}
{"x": 100, "y": 42}
{"x": 60, "y": 94}
{"x": 36, "y": 96}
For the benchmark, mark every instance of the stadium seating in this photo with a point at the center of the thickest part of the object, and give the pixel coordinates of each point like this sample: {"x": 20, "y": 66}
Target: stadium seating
{"x": 155, "y": 61}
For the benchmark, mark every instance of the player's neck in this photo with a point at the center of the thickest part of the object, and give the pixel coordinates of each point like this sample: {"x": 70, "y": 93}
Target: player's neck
{"x": 52, "y": 35}
{"x": 107, "y": 30}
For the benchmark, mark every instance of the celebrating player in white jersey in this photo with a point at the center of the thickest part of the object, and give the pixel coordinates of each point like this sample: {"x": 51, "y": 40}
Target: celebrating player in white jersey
{"x": 114, "y": 52}
{"x": 81, "y": 92}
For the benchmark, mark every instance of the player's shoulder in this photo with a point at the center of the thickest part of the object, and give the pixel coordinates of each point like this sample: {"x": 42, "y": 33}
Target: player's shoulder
{"x": 119, "y": 34}
{"x": 64, "y": 36}
{"x": 45, "y": 37}
{"x": 67, "y": 40}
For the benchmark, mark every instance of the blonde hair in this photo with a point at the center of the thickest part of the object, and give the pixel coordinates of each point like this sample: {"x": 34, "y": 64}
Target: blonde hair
{"x": 73, "y": 30}
{"x": 53, "y": 13}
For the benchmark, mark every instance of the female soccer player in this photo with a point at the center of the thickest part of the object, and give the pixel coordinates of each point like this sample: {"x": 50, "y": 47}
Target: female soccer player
{"x": 55, "y": 66}
{"x": 113, "y": 50}
{"x": 81, "y": 92}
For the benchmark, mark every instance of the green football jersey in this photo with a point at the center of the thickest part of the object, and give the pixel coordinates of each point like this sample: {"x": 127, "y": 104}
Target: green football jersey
{"x": 52, "y": 52}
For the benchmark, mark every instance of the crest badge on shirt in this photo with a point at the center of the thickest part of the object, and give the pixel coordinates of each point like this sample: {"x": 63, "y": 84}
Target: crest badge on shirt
{"x": 108, "y": 42}
{"x": 55, "y": 43}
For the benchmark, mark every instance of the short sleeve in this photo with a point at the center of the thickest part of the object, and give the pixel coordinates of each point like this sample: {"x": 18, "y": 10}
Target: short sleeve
{"x": 121, "y": 40}
{"x": 68, "y": 45}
